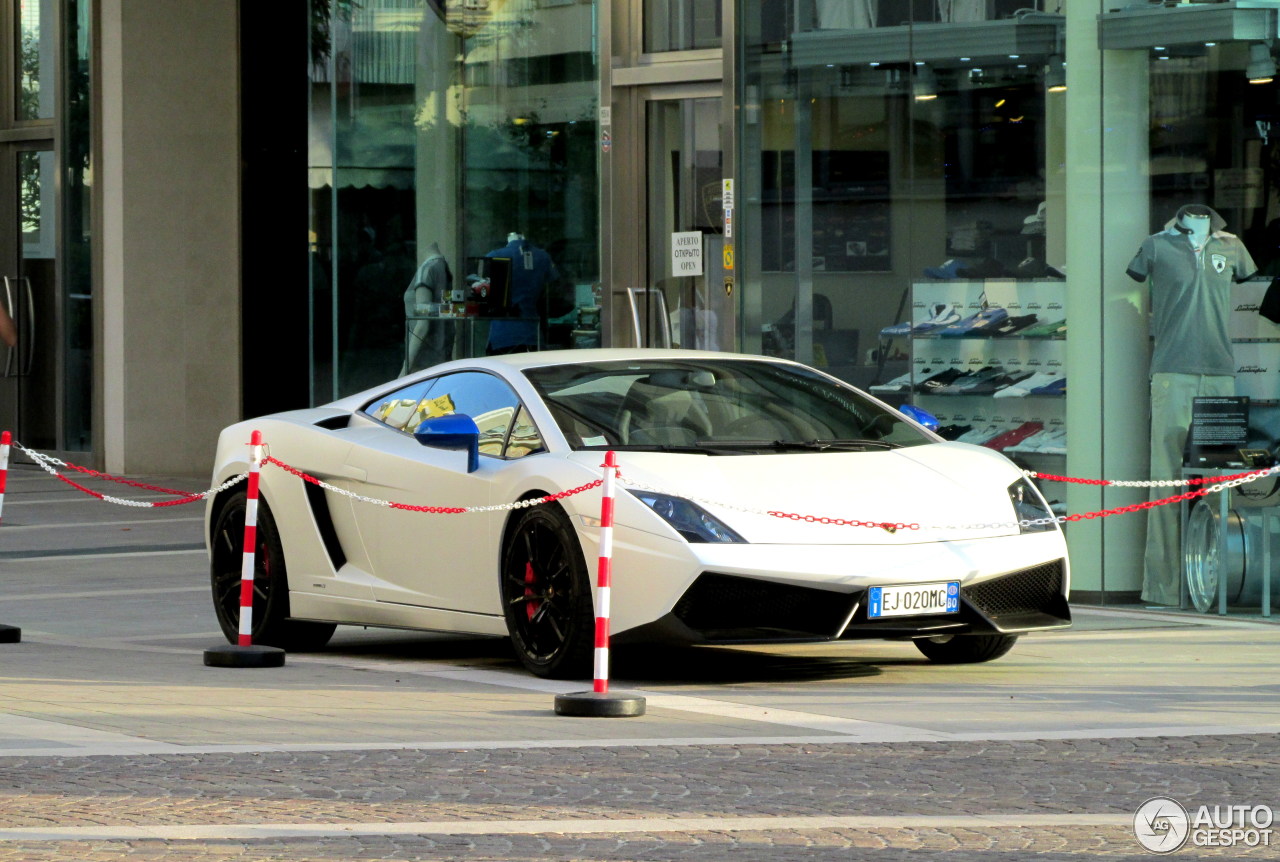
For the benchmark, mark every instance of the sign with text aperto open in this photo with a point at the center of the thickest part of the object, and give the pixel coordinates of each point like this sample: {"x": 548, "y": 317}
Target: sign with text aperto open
{"x": 686, "y": 253}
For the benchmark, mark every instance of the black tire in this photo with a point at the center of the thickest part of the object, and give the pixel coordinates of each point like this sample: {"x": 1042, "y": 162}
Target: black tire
{"x": 546, "y": 595}
{"x": 271, "y": 623}
{"x": 965, "y": 649}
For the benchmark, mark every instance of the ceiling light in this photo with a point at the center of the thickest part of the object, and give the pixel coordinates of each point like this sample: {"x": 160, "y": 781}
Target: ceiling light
{"x": 925, "y": 88}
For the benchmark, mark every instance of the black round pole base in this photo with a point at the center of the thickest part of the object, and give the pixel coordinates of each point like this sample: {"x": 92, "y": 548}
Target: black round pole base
{"x": 594, "y": 704}
{"x": 10, "y": 634}
{"x": 232, "y": 655}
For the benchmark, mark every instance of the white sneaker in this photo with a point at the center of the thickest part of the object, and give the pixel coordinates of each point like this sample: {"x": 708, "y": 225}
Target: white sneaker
{"x": 898, "y": 384}
{"x": 978, "y": 436}
{"x": 1023, "y": 389}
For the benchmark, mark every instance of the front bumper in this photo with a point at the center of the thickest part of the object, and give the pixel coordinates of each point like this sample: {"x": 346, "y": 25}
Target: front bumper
{"x": 721, "y": 608}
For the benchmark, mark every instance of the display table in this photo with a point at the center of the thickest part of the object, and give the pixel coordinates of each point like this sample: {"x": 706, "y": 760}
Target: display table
{"x": 1206, "y": 546}
{"x": 469, "y": 333}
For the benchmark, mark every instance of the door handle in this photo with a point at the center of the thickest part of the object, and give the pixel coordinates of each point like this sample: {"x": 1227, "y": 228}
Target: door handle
{"x": 8, "y": 307}
{"x": 31, "y": 327}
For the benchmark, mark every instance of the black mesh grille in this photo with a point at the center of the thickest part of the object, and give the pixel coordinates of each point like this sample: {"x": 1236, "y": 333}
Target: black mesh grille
{"x": 728, "y": 606}
{"x": 1034, "y": 589}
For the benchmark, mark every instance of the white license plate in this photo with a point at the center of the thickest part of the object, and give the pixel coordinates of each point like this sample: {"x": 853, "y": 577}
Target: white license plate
{"x": 910, "y": 600}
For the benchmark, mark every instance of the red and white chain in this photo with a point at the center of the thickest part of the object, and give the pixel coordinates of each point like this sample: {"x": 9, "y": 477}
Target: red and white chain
{"x": 49, "y": 464}
{"x": 1149, "y": 483}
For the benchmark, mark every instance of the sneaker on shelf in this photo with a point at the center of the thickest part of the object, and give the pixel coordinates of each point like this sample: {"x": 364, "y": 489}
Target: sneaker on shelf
{"x": 947, "y": 270}
{"x": 978, "y": 324}
{"x": 978, "y": 436}
{"x": 1046, "y": 330}
{"x": 903, "y": 328}
{"x": 1054, "y": 443}
{"x": 966, "y": 384}
{"x": 942, "y": 378}
{"x": 1023, "y": 389}
{"x": 944, "y": 315}
{"x": 1053, "y": 388}
{"x": 1015, "y": 324}
{"x": 952, "y": 432}
{"x": 1031, "y": 444}
{"x": 1014, "y": 437}
{"x": 900, "y": 383}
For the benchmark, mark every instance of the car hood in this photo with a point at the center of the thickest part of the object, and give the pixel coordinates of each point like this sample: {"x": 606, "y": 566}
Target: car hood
{"x": 947, "y": 490}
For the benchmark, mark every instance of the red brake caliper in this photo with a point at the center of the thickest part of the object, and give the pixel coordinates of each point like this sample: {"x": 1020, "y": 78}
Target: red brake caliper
{"x": 530, "y": 607}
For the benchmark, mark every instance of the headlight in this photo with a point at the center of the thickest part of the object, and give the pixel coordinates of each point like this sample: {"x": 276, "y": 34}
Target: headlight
{"x": 689, "y": 519}
{"x": 1028, "y": 505}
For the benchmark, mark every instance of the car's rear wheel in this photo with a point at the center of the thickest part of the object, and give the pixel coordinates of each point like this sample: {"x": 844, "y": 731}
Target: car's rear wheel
{"x": 271, "y": 623}
{"x": 965, "y": 649}
{"x": 546, "y": 594}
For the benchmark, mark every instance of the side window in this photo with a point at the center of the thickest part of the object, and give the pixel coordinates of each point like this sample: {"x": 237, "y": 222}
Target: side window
{"x": 399, "y": 409}
{"x": 525, "y": 439}
{"x": 485, "y": 398}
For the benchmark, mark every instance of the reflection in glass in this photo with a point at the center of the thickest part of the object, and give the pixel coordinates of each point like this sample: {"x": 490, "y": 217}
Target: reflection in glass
{"x": 681, "y": 25}
{"x": 77, "y": 228}
{"x": 450, "y": 124}
{"x": 35, "y": 79}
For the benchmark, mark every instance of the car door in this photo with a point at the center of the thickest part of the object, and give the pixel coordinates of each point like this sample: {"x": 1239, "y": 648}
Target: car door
{"x": 445, "y": 561}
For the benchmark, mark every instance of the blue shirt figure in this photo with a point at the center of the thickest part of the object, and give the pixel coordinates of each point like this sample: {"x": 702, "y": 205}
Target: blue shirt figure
{"x": 531, "y": 269}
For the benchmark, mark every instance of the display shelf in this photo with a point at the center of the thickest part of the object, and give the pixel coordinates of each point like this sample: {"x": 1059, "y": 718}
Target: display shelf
{"x": 970, "y": 370}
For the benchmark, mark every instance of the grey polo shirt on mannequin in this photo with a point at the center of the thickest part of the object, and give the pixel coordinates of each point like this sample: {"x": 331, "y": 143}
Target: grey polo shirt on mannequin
{"x": 1191, "y": 298}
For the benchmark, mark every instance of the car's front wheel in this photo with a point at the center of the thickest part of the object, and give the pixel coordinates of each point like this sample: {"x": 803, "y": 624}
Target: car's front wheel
{"x": 546, "y": 594}
{"x": 965, "y": 649}
{"x": 271, "y": 623}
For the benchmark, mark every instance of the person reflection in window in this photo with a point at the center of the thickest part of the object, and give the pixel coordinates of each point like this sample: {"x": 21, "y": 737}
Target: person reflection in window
{"x": 531, "y": 270}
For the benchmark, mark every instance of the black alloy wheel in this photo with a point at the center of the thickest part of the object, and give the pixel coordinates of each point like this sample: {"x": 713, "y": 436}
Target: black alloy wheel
{"x": 546, "y": 594}
{"x": 271, "y": 623}
{"x": 965, "y": 649}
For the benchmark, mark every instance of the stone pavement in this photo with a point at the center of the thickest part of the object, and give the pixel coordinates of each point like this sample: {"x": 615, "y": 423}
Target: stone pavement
{"x": 116, "y": 742}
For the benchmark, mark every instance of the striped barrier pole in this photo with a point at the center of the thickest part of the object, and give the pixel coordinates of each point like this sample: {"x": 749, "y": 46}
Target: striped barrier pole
{"x": 599, "y": 702}
{"x": 250, "y": 540}
{"x": 244, "y": 653}
{"x": 604, "y": 573}
{"x": 8, "y": 634}
{"x": 5, "y": 439}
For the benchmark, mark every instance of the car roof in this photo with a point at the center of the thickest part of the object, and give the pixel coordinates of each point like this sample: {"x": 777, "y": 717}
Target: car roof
{"x": 514, "y": 362}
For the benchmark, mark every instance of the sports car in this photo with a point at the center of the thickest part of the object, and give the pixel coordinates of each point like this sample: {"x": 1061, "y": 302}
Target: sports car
{"x": 758, "y": 500}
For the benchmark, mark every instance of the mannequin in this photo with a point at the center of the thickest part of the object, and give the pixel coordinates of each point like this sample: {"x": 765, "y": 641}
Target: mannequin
{"x": 1189, "y": 267}
{"x": 531, "y": 271}
{"x": 424, "y": 340}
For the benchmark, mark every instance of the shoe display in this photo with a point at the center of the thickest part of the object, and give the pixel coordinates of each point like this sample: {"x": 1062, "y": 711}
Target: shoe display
{"x": 942, "y": 378}
{"x": 979, "y": 324}
{"x": 978, "y": 436}
{"x": 1047, "y": 330}
{"x": 1017, "y": 435}
{"x": 903, "y": 328}
{"x": 902, "y": 383}
{"x": 944, "y": 315}
{"x": 1023, "y": 388}
{"x": 1015, "y": 324}
{"x": 966, "y": 384}
{"x": 952, "y": 432}
{"x": 947, "y": 270}
{"x": 1053, "y": 387}
{"x": 1004, "y": 381}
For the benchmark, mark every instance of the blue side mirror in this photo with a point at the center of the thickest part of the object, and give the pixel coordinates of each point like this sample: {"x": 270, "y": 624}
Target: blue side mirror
{"x": 454, "y": 431}
{"x": 924, "y": 417}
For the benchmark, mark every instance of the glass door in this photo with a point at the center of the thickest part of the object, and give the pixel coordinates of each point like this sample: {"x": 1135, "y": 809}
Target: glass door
{"x": 28, "y": 295}
{"x": 688, "y": 300}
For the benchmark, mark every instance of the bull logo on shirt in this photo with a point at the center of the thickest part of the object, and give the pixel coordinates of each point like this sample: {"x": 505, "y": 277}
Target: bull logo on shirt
{"x": 1219, "y": 263}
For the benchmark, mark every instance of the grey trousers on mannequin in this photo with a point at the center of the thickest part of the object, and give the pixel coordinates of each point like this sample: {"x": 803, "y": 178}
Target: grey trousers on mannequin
{"x": 1171, "y": 396}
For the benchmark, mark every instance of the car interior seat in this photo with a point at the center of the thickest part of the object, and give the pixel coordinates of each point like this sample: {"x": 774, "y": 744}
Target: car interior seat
{"x": 664, "y": 408}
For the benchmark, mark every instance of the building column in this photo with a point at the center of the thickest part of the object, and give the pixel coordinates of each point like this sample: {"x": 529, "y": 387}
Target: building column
{"x": 168, "y": 96}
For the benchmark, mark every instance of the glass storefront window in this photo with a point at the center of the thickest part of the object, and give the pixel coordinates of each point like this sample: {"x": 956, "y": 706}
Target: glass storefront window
{"x": 440, "y": 131}
{"x": 681, "y": 25}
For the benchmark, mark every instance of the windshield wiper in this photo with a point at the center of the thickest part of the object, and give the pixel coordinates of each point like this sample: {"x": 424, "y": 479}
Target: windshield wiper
{"x": 841, "y": 445}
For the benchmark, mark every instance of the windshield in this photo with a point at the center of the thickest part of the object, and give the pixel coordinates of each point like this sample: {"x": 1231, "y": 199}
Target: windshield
{"x": 717, "y": 406}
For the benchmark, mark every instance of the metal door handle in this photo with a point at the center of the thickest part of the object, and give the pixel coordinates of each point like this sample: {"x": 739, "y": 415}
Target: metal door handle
{"x": 31, "y": 327}
{"x": 8, "y": 306}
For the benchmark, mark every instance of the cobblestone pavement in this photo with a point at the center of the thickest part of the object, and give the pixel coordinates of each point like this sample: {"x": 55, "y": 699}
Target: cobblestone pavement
{"x": 1068, "y": 799}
